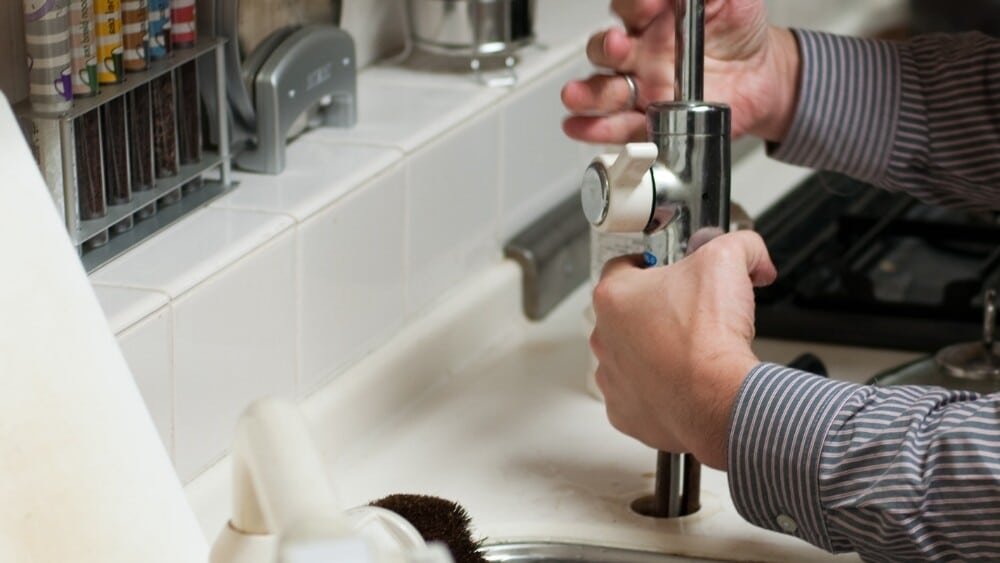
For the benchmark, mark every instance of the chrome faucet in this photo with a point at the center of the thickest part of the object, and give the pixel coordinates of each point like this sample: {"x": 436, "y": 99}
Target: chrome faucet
{"x": 679, "y": 181}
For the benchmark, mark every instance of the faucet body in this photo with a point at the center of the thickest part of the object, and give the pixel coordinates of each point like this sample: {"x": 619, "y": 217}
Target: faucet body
{"x": 679, "y": 180}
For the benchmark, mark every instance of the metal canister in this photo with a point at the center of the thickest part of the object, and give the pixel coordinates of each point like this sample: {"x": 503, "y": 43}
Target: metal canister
{"x": 135, "y": 34}
{"x": 83, "y": 37}
{"x": 183, "y": 28}
{"x": 46, "y": 31}
{"x": 467, "y": 28}
{"x": 159, "y": 29}
{"x": 110, "y": 52}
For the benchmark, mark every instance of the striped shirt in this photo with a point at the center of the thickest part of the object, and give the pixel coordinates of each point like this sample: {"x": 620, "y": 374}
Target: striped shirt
{"x": 904, "y": 473}
{"x": 921, "y": 117}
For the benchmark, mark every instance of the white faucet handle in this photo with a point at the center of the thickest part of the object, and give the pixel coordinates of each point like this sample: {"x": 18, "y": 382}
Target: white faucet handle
{"x": 617, "y": 190}
{"x": 632, "y": 164}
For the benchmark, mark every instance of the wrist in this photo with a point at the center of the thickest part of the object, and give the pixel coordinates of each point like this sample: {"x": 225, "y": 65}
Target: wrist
{"x": 721, "y": 382}
{"x": 784, "y": 68}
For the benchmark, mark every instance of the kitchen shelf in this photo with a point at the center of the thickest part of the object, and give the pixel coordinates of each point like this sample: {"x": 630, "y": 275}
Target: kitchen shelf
{"x": 132, "y": 80}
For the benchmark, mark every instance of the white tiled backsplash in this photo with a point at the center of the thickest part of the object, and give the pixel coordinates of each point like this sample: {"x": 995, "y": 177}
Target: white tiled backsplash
{"x": 285, "y": 282}
{"x": 281, "y": 285}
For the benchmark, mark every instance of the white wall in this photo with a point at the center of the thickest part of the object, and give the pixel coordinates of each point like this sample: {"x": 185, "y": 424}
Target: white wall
{"x": 377, "y": 27}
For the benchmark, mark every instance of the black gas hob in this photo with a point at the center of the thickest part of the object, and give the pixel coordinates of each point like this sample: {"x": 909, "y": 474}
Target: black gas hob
{"x": 865, "y": 267}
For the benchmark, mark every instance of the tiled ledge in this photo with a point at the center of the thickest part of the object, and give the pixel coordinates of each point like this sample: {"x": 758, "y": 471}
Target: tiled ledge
{"x": 286, "y": 281}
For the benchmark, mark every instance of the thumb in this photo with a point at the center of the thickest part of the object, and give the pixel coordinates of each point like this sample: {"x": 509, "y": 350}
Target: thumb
{"x": 622, "y": 264}
{"x": 758, "y": 261}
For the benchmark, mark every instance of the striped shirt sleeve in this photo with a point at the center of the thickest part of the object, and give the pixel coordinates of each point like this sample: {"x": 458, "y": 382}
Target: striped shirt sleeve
{"x": 921, "y": 116}
{"x": 896, "y": 474}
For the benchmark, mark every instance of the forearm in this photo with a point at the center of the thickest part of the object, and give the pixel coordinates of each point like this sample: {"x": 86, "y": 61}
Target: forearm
{"x": 916, "y": 117}
{"x": 896, "y": 474}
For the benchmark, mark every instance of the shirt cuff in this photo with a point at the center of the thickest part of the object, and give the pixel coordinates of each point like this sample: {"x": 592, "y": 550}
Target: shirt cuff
{"x": 777, "y": 431}
{"x": 848, "y": 104}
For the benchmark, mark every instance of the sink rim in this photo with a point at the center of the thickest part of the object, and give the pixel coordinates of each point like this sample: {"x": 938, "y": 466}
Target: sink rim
{"x": 514, "y": 551}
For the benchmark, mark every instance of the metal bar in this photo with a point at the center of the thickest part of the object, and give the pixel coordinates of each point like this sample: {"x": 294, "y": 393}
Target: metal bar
{"x": 91, "y": 227}
{"x": 692, "y": 485}
{"x": 689, "y": 50}
{"x": 70, "y": 196}
{"x": 669, "y": 485}
{"x": 867, "y": 240}
{"x": 675, "y": 472}
{"x": 222, "y": 106}
{"x": 166, "y": 216}
{"x": 112, "y": 91}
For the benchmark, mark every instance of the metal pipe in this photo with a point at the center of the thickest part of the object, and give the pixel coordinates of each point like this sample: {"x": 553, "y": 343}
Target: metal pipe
{"x": 689, "y": 50}
{"x": 693, "y": 142}
{"x": 221, "y": 102}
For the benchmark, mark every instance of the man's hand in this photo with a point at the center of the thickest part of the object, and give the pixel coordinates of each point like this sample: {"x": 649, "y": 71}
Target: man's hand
{"x": 673, "y": 343}
{"x": 749, "y": 65}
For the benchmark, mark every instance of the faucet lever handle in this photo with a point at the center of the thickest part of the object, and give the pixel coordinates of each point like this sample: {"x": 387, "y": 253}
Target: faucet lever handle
{"x": 632, "y": 164}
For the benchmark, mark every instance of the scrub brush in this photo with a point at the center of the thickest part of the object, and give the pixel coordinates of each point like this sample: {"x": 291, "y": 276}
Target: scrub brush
{"x": 438, "y": 520}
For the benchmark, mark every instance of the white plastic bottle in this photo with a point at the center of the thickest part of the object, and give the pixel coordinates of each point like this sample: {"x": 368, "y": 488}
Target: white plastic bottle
{"x": 603, "y": 248}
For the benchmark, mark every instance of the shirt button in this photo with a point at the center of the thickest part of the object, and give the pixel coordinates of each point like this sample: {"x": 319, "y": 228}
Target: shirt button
{"x": 787, "y": 524}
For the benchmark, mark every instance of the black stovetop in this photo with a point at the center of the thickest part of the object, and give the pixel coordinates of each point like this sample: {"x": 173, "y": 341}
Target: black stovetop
{"x": 862, "y": 266}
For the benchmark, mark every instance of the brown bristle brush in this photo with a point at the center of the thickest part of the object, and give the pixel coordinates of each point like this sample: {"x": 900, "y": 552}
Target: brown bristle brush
{"x": 438, "y": 520}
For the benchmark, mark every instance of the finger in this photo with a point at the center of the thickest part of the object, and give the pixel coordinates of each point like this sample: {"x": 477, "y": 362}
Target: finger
{"x": 616, "y": 129}
{"x": 622, "y": 265}
{"x": 612, "y": 49}
{"x": 602, "y": 380}
{"x": 595, "y": 344}
{"x": 600, "y": 94}
{"x": 637, "y": 14}
{"x": 758, "y": 259}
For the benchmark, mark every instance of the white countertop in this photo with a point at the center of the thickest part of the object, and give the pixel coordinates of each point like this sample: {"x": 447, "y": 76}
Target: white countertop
{"x": 475, "y": 404}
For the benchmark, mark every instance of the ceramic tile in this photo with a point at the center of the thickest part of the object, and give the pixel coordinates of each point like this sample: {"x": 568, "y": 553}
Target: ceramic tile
{"x": 421, "y": 70}
{"x": 147, "y": 350}
{"x": 234, "y": 341}
{"x": 541, "y": 165}
{"x": 318, "y": 173}
{"x": 351, "y": 282}
{"x": 124, "y": 306}
{"x": 404, "y": 116}
{"x": 190, "y": 251}
{"x": 452, "y": 208}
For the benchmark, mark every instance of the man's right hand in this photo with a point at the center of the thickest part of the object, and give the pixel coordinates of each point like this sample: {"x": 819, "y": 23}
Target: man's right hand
{"x": 749, "y": 65}
{"x": 673, "y": 343}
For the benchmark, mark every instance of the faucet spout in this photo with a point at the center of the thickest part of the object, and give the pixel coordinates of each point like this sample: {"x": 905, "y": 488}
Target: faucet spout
{"x": 280, "y": 489}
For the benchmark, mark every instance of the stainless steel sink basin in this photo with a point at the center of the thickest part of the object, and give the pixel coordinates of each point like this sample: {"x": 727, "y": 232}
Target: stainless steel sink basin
{"x": 573, "y": 553}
